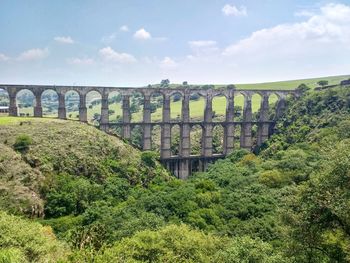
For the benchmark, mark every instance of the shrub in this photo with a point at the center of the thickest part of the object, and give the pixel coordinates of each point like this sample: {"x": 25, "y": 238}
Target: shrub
{"x": 149, "y": 158}
{"x": 272, "y": 178}
{"x": 170, "y": 244}
{"x": 22, "y": 241}
{"x": 22, "y": 143}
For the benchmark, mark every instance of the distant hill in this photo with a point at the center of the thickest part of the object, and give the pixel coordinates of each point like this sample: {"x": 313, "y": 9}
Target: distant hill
{"x": 286, "y": 84}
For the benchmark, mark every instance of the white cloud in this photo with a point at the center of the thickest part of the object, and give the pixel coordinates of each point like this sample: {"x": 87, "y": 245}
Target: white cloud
{"x": 202, "y": 43}
{"x": 329, "y": 30}
{"x": 34, "y": 54}
{"x": 80, "y": 61}
{"x": 124, "y": 28}
{"x": 304, "y": 13}
{"x": 3, "y": 57}
{"x": 168, "y": 63}
{"x": 64, "y": 40}
{"x": 109, "y": 54}
{"x": 232, "y": 10}
{"x": 202, "y": 49}
{"x": 142, "y": 34}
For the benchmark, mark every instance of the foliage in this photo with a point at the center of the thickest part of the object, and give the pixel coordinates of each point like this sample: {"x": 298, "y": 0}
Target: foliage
{"x": 322, "y": 83}
{"x": 245, "y": 250}
{"x": 22, "y": 143}
{"x": 25, "y": 241}
{"x": 170, "y": 244}
{"x": 110, "y": 203}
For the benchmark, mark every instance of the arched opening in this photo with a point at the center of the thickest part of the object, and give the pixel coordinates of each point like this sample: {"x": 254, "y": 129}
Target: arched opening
{"x": 157, "y": 99}
{"x": 176, "y": 106}
{"x": 237, "y": 136}
{"x": 196, "y": 139}
{"x": 238, "y": 106}
{"x": 218, "y": 139}
{"x": 219, "y": 104}
{"x": 115, "y": 112}
{"x": 197, "y": 104}
{"x": 93, "y": 105}
{"x": 25, "y": 100}
{"x": 273, "y": 103}
{"x": 4, "y": 102}
{"x": 175, "y": 139}
{"x": 72, "y": 101}
{"x": 49, "y": 103}
{"x": 136, "y": 136}
{"x": 156, "y": 137}
{"x": 136, "y": 106}
{"x": 255, "y": 130}
{"x": 256, "y": 106}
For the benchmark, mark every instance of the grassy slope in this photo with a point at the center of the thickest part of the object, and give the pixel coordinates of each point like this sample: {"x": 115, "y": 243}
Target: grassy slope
{"x": 57, "y": 146}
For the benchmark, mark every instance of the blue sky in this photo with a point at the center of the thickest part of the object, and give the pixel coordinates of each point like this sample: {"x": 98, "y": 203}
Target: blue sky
{"x": 137, "y": 42}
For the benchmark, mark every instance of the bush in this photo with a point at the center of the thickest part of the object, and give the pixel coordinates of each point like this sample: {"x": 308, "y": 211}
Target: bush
{"x": 170, "y": 244}
{"x": 149, "y": 158}
{"x": 245, "y": 249}
{"x": 25, "y": 241}
{"x": 272, "y": 178}
{"x": 22, "y": 143}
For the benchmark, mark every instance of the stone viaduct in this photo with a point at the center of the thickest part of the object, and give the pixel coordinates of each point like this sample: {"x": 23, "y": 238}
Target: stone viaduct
{"x": 184, "y": 163}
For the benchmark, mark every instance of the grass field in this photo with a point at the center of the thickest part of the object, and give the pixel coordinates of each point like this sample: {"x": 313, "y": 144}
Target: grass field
{"x": 283, "y": 85}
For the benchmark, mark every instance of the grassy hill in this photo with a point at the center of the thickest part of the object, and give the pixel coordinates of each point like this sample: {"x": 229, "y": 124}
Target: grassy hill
{"x": 61, "y": 147}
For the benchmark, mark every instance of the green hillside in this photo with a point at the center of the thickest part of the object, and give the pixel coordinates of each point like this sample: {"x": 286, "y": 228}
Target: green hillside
{"x": 60, "y": 147}
{"x": 106, "y": 202}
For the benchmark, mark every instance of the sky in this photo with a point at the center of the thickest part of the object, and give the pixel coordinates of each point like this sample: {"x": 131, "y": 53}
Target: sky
{"x": 138, "y": 42}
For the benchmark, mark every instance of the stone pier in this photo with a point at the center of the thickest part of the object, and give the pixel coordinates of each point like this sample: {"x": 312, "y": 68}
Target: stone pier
{"x": 183, "y": 164}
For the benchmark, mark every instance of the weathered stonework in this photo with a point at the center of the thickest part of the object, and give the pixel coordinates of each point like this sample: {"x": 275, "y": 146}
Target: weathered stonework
{"x": 183, "y": 164}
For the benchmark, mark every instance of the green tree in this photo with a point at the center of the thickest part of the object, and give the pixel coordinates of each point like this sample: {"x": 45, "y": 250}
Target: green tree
{"x": 25, "y": 241}
{"x": 169, "y": 244}
{"x": 322, "y": 83}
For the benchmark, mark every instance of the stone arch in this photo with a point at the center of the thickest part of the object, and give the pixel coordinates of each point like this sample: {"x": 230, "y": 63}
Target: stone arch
{"x": 255, "y": 134}
{"x": 49, "y": 103}
{"x": 219, "y": 104}
{"x": 156, "y": 137}
{"x": 176, "y": 99}
{"x": 239, "y": 99}
{"x": 175, "y": 139}
{"x": 115, "y": 100}
{"x": 257, "y": 98}
{"x": 274, "y": 99}
{"x": 26, "y": 102}
{"x": 93, "y": 105}
{"x": 72, "y": 103}
{"x": 136, "y": 132}
{"x": 157, "y": 100}
{"x": 197, "y": 106}
{"x": 136, "y": 106}
{"x": 4, "y": 102}
{"x": 196, "y": 134}
{"x": 218, "y": 139}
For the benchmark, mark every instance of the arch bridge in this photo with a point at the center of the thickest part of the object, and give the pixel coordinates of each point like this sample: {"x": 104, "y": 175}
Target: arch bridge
{"x": 182, "y": 164}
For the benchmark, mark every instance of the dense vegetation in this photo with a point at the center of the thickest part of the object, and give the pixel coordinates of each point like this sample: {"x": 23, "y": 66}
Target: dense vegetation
{"x": 105, "y": 202}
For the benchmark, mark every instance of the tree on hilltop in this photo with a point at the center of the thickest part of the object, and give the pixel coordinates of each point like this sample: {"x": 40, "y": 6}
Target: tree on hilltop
{"x": 164, "y": 83}
{"x": 323, "y": 83}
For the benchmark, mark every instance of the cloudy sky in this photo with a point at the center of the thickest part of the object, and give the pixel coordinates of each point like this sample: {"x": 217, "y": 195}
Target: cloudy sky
{"x": 137, "y": 42}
